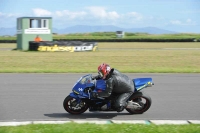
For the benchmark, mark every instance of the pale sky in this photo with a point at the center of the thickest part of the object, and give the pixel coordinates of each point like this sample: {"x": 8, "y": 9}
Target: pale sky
{"x": 174, "y": 15}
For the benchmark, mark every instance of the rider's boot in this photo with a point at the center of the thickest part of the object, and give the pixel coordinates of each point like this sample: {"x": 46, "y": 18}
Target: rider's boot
{"x": 121, "y": 101}
{"x": 120, "y": 109}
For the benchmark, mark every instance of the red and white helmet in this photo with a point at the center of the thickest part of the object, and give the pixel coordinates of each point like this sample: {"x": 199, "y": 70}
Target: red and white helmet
{"x": 104, "y": 70}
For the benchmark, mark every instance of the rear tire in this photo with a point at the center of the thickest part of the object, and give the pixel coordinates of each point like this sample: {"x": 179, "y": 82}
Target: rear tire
{"x": 71, "y": 106}
{"x": 146, "y": 102}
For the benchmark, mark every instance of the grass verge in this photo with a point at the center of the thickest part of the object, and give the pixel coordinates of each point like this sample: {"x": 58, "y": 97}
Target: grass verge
{"x": 127, "y": 57}
{"x": 94, "y": 128}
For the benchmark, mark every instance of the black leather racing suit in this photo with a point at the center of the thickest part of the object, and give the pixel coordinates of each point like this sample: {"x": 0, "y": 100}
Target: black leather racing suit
{"x": 118, "y": 83}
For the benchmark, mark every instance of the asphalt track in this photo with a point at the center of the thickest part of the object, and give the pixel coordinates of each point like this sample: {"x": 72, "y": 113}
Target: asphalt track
{"x": 36, "y": 97}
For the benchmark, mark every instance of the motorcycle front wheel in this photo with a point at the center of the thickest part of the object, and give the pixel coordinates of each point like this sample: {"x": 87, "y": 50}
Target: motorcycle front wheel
{"x": 72, "y": 106}
{"x": 143, "y": 100}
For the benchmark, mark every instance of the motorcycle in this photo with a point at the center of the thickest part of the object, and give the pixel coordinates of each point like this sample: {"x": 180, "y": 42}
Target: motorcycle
{"x": 79, "y": 100}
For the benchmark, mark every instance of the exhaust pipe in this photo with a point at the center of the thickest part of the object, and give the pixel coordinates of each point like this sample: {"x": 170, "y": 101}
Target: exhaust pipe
{"x": 133, "y": 105}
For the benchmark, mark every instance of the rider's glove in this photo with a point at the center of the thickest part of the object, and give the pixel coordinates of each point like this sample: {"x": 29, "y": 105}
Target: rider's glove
{"x": 93, "y": 95}
{"x": 96, "y": 77}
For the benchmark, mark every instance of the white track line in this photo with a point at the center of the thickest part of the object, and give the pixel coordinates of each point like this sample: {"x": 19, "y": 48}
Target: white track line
{"x": 156, "y": 122}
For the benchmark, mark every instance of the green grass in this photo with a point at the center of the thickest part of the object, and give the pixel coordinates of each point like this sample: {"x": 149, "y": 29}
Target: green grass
{"x": 108, "y": 128}
{"x": 127, "y": 57}
{"x": 8, "y": 45}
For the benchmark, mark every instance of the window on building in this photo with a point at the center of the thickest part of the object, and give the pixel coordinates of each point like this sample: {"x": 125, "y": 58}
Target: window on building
{"x": 44, "y": 23}
{"x": 38, "y": 23}
{"x": 33, "y": 23}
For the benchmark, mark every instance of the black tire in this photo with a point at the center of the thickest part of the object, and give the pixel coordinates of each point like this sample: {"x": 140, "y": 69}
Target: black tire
{"x": 146, "y": 105}
{"x": 69, "y": 105}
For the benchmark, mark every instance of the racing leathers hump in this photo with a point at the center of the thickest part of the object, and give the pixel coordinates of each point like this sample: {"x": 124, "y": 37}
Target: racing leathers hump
{"x": 118, "y": 83}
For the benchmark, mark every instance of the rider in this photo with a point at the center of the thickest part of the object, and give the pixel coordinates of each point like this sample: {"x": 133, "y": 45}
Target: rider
{"x": 116, "y": 82}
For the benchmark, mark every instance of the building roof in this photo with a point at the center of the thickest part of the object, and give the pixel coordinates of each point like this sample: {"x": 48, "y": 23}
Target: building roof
{"x": 37, "y": 17}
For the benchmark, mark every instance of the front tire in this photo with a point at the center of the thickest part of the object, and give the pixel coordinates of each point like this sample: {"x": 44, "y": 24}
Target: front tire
{"x": 141, "y": 98}
{"x": 72, "y": 106}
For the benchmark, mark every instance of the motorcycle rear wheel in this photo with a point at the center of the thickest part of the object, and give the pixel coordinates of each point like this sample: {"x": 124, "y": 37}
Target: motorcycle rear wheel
{"x": 71, "y": 105}
{"x": 141, "y": 98}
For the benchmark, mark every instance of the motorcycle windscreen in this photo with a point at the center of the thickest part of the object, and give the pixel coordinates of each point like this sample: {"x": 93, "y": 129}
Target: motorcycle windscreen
{"x": 141, "y": 83}
{"x": 100, "y": 85}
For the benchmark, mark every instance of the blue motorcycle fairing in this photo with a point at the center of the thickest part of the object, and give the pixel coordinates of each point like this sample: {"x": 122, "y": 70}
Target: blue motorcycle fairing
{"x": 72, "y": 94}
{"x": 83, "y": 83}
{"x": 89, "y": 85}
{"x": 78, "y": 88}
{"x": 141, "y": 83}
{"x": 78, "y": 96}
{"x": 100, "y": 85}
